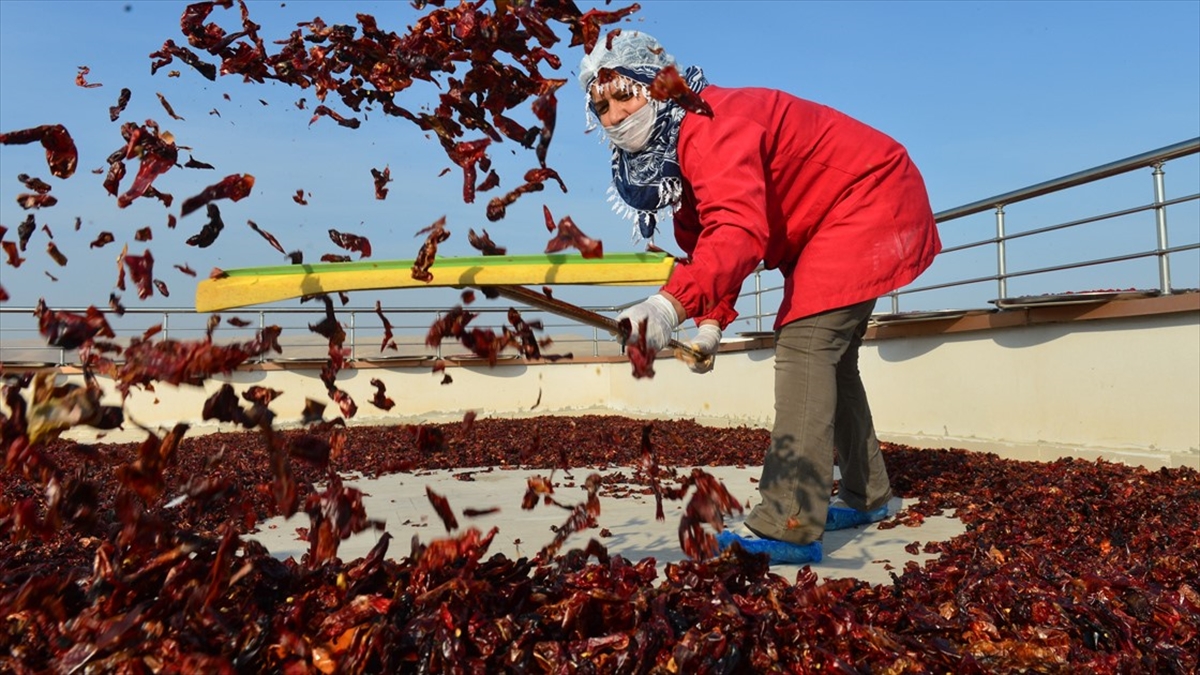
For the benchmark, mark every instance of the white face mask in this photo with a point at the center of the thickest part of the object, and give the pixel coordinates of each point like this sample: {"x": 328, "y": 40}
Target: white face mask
{"x": 633, "y": 132}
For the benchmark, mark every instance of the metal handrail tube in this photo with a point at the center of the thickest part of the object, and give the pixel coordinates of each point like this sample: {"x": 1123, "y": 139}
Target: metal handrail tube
{"x": 909, "y": 290}
{"x": 1056, "y": 268}
{"x": 1103, "y": 261}
{"x": 1140, "y": 161}
{"x": 1073, "y": 223}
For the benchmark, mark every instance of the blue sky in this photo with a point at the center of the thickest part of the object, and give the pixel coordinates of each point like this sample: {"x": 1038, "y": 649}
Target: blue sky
{"x": 987, "y": 96}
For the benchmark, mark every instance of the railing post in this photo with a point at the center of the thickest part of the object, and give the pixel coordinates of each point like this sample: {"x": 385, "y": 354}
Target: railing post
{"x": 166, "y": 331}
{"x": 758, "y": 300}
{"x": 353, "y": 351}
{"x": 262, "y": 325}
{"x": 595, "y": 341}
{"x": 438, "y": 351}
{"x": 1001, "y": 258}
{"x": 1160, "y": 221}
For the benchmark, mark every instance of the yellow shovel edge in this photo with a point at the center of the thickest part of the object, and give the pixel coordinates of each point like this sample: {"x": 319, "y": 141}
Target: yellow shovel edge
{"x": 260, "y": 285}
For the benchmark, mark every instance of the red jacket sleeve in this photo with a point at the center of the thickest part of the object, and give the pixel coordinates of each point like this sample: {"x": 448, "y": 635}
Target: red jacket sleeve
{"x": 723, "y": 223}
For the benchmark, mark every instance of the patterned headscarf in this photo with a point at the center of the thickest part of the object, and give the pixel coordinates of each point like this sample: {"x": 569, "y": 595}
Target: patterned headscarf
{"x": 647, "y": 185}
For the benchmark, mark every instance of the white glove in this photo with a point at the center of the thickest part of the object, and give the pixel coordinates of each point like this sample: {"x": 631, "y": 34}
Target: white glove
{"x": 660, "y": 317}
{"x": 707, "y": 341}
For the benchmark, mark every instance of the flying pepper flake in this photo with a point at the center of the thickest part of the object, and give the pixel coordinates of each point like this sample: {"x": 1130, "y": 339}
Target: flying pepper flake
{"x": 156, "y": 153}
{"x": 388, "y": 339}
{"x": 570, "y": 236}
{"x": 436, "y": 234}
{"x": 490, "y": 182}
{"x": 170, "y": 51}
{"x": 194, "y": 163}
{"x": 34, "y": 183}
{"x": 209, "y": 232}
{"x": 234, "y": 187}
{"x": 102, "y": 240}
{"x": 70, "y": 330}
{"x": 61, "y": 155}
{"x": 586, "y": 31}
{"x": 484, "y": 244}
{"x": 12, "y": 253}
{"x": 324, "y": 111}
{"x": 56, "y": 254}
{"x": 165, "y": 197}
{"x": 167, "y": 106}
{"x": 266, "y": 235}
{"x": 441, "y": 506}
{"x": 25, "y": 230}
{"x": 351, "y": 242}
{"x": 381, "y": 179}
{"x": 81, "y": 78}
{"x": 141, "y": 272}
{"x": 36, "y": 201}
{"x": 114, "y": 112}
{"x": 669, "y": 85}
{"x": 534, "y": 182}
{"x": 380, "y": 399}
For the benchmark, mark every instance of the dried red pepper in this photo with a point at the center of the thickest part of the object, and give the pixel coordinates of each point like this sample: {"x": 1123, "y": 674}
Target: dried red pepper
{"x": 167, "y": 106}
{"x": 234, "y": 187}
{"x": 102, "y": 240}
{"x": 266, "y": 235}
{"x": 114, "y": 112}
{"x": 381, "y": 179}
{"x": 570, "y": 236}
{"x": 61, "y": 155}
{"x": 435, "y": 234}
{"x": 209, "y": 232}
{"x": 351, "y": 242}
{"x": 388, "y": 339}
{"x": 81, "y": 79}
{"x": 484, "y": 244}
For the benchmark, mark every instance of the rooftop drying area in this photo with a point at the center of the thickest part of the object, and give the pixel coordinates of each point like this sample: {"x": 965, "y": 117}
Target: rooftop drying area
{"x": 1036, "y": 372}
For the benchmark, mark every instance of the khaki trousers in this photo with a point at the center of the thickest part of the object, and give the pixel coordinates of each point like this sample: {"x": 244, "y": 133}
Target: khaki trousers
{"x": 820, "y": 405}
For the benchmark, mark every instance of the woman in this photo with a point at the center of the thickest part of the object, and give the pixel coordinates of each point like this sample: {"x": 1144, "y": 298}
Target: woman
{"x": 770, "y": 178}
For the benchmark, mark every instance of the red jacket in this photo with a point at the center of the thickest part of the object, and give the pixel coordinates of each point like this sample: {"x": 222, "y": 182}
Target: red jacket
{"x": 837, "y": 206}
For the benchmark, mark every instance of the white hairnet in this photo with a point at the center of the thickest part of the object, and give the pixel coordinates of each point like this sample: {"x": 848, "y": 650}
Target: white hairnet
{"x": 633, "y": 54}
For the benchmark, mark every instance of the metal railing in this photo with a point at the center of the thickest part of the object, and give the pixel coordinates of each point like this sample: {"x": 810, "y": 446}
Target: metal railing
{"x": 1155, "y": 160}
{"x": 364, "y": 333}
{"x": 19, "y": 343}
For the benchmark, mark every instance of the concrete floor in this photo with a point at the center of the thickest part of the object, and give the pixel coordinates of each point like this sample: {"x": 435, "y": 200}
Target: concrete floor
{"x": 866, "y": 553}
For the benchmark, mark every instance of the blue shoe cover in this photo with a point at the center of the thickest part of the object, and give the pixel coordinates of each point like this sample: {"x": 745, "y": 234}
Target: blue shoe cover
{"x": 842, "y": 517}
{"x": 780, "y": 552}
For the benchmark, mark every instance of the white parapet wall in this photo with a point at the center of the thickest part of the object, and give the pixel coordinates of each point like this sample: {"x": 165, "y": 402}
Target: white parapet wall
{"x": 1126, "y": 389}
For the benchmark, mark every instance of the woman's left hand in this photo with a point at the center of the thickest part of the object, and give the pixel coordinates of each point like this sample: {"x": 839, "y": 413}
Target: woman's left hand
{"x": 707, "y": 342}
